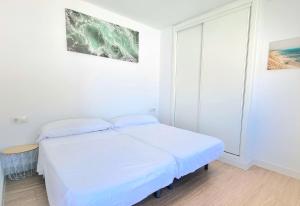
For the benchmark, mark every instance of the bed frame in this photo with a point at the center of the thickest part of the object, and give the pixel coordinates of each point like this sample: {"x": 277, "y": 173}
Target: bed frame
{"x": 157, "y": 194}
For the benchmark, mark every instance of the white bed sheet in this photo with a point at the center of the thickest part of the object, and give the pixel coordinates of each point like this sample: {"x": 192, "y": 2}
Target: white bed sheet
{"x": 191, "y": 150}
{"x": 102, "y": 169}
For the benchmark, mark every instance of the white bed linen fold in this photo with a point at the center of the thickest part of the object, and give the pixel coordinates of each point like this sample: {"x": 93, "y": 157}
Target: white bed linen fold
{"x": 102, "y": 169}
{"x": 191, "y": 150}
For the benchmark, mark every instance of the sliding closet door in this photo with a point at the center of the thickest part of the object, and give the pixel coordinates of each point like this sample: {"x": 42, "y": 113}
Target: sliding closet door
{"x": 188, "y": 53}
{"x": 223, "y": 73}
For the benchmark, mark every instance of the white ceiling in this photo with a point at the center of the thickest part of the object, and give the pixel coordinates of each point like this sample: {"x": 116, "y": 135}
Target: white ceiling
{"x": 159, "y": 13}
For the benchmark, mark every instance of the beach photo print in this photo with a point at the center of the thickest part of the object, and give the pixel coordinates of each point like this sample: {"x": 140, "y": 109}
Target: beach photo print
{"x": 284, "y": 54}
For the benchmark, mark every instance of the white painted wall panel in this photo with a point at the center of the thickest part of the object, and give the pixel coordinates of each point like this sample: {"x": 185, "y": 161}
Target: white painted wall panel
{"x": 222, "y": 77}
{"x": 188, "y": 53}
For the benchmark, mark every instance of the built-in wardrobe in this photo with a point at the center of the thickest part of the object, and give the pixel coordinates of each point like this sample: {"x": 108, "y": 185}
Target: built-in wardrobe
{"x": 210, "y": 60}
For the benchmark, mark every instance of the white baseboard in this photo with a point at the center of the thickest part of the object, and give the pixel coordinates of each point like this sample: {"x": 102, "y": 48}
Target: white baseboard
{"x": 240, "y": 163}
{"x": 277, "y": 168}
{"x": 236, "y": 161}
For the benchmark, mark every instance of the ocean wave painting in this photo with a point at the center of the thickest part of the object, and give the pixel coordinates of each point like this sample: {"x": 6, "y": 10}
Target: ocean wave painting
{"x": 89, "y": 35}
{"x": 284, "y": 54}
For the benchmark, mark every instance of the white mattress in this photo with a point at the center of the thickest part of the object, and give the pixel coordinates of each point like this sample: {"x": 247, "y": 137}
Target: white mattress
{"x": 191, "y": 150}
{"x": 102, "y": 168}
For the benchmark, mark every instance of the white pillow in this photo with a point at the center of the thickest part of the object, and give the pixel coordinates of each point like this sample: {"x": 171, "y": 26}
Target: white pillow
{"x": 68, "y": 127}
{"x": 130, "y": 120}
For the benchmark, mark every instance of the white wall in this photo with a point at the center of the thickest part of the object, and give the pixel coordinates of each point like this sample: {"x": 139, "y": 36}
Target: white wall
{"x": 275, "y": 113}
{"x": 165, "y": 95}
{"x": 41, "y": 79}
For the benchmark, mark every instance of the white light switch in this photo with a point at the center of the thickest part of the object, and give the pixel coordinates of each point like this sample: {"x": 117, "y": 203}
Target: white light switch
{"x": 152, "y": 110}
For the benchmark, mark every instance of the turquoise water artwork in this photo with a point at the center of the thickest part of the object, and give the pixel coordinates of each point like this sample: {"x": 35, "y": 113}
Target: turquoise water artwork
{"x": 284, "y": 54}
{"x": 89, "y": 35}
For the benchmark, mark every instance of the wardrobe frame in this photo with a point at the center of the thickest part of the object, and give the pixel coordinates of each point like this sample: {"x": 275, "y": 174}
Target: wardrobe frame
{"x": 245, "y": 158}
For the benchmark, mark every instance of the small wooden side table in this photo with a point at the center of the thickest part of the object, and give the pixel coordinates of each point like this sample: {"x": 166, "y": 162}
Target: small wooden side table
{"x": 19, "y": 161}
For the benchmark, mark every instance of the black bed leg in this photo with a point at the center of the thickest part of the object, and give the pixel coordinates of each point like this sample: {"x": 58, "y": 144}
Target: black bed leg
{"x": 170, "y": 187}
{"x": 157, "y": 194}
{"x": 206, "y": 167}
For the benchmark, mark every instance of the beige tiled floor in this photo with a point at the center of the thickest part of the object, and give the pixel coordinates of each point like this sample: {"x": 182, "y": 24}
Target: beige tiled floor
{"x": 221, "y": 185}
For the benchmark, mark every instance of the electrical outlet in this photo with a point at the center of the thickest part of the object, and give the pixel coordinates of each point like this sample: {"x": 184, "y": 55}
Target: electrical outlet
{"x": 21, "y": 119}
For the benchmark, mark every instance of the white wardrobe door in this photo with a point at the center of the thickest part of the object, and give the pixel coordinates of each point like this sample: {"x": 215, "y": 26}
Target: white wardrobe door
{"x": 223, "y": 77}
{"x": 188, "y": 54}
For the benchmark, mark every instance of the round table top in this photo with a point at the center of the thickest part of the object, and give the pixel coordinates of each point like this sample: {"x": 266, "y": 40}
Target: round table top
{"x": 20, "y": 149}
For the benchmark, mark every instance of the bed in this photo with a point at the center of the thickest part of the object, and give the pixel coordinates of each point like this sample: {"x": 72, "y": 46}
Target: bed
{"x": 102, "y": 168}
{"x": 190, "y": 150}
